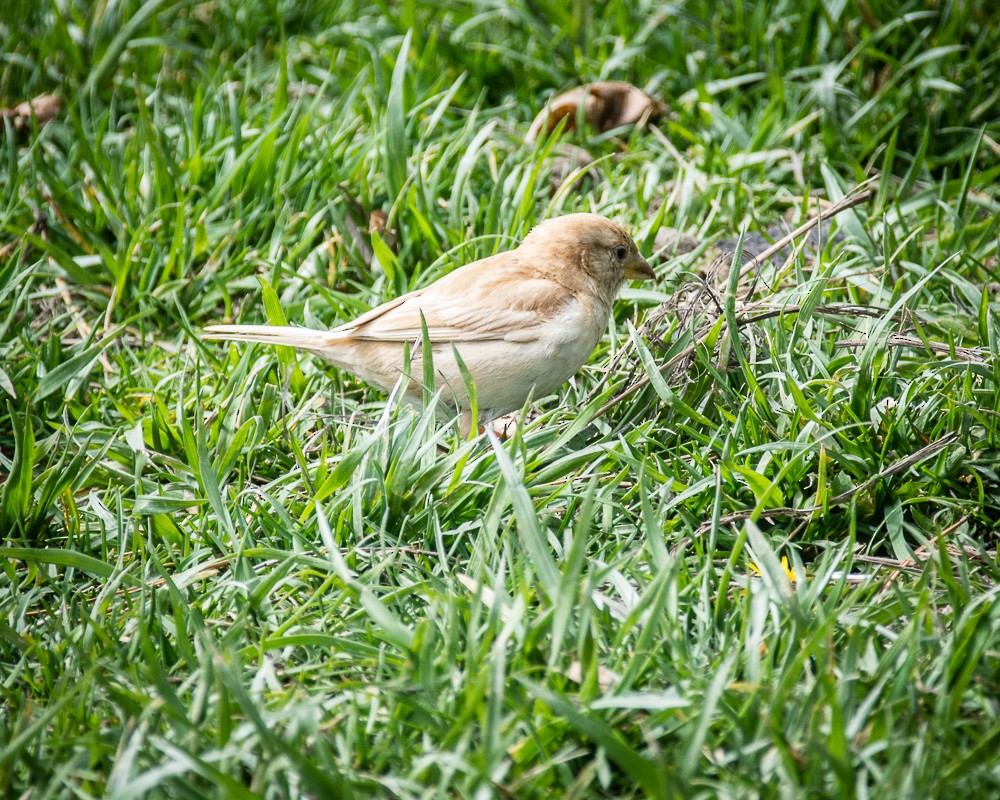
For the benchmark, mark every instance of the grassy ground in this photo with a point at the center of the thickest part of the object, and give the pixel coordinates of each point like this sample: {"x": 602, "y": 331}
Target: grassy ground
{"x": 232, "y": 572}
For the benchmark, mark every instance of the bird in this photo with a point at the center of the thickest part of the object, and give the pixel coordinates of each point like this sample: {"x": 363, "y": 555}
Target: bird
{"x": 522, "y": 321}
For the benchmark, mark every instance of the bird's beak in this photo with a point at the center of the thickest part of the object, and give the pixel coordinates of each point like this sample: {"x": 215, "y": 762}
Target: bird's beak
{"x": 638, "y": 269}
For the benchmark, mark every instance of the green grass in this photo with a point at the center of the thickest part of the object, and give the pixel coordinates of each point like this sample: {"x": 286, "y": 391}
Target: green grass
{"x": 230, "y": 571}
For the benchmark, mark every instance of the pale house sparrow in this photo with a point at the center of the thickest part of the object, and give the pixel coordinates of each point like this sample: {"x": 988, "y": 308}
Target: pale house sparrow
{"x": 522, "y": 321}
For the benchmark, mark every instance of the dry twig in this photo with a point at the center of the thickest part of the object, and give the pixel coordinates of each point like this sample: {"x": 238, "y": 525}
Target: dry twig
{"x": 897, "y": 466}
{"x": 706, "y": 294}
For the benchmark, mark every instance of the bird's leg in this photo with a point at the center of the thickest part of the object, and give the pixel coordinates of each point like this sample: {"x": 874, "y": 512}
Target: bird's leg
{"x": 504, "y": 427}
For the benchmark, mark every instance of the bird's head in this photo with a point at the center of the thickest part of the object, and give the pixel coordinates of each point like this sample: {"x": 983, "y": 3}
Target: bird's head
{"x": 598, "y": 247}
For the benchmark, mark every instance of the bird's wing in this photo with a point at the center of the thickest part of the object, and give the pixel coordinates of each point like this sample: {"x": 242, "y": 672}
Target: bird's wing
{"x": 492, "y": 299}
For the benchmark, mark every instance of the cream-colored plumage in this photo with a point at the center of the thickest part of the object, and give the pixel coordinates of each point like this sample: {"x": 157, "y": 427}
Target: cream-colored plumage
{"x": 523, "y": 321}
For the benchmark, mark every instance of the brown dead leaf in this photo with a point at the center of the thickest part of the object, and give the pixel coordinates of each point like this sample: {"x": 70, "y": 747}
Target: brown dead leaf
{"x": 606, "y": 105}
{"x": 377, "y": 222}
{"x": 45, "y": 107}
{"x": 358, "y": 235}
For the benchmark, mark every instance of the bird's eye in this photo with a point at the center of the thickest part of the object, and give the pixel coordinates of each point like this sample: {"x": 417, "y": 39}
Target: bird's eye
{"x": 620, "y": 253}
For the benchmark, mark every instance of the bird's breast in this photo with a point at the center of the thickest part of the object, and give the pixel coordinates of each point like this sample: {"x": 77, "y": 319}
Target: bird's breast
{"x": 532, "y": 361}
{"x": 506, "y": 372}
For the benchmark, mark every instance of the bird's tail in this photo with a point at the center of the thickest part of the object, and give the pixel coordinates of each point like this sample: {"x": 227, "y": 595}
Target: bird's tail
{"x": 304, "y": 338}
